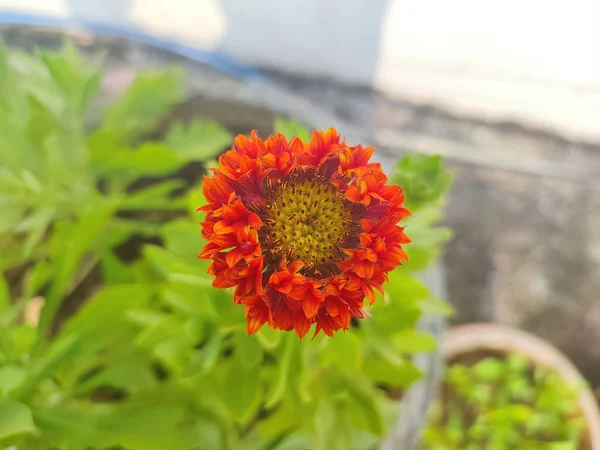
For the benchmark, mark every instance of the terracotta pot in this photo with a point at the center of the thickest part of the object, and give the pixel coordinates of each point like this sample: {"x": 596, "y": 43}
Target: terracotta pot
{"x": 489, "y": 336}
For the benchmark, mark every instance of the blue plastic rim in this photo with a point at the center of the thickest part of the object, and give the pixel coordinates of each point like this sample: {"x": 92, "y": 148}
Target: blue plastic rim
{"x": 216, "y": 60}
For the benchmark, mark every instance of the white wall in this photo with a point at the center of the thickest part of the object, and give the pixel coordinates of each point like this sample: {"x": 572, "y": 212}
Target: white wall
{"x": 532, "y": 61}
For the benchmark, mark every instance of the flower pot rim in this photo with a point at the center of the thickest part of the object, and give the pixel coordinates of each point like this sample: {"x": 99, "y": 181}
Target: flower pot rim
{"x": 492, "y": 336}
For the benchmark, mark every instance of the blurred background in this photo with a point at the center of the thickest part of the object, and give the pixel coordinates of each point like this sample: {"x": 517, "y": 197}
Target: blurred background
{"x": 508, "y": 92}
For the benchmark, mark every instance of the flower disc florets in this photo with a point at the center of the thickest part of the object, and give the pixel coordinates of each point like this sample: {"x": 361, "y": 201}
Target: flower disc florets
{"x": 304, "y": 232}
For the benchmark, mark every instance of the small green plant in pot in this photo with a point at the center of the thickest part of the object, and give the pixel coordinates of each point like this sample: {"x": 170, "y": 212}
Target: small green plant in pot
{"x": 505, "y": 403}
{"x": 499, "y": 397}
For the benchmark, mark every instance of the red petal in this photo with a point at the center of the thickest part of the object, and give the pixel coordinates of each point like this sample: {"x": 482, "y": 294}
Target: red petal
{"x": 233, "y": 256}
{"x": 310, "y": 306}
{"x": 301, "y": 324}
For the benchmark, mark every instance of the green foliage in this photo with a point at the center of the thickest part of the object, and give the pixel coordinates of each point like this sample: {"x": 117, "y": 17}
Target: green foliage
{"x": 133, "y": 347}
{"x": 423, "y": 179}
{"x": 505, "y": 403}
{"x": 291, "y": 128}
{"x": 425, "y": 184}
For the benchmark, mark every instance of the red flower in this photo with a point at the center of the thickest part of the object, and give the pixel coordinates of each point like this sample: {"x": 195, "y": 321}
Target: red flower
{"x": 303, "y": 231}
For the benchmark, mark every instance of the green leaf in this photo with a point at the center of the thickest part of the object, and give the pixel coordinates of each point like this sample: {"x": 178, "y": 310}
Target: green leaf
{"x": 130, "y": 371}
{"x": 114, "y": 270}
{"x": 71, "y": 242}
{"x": 150, "y": 159}
{"x": 7, "y": 346}
{"x": 413, "y": 341}
{"x": 106, "y": 309}
{"x": 199, "y": 141}
{"x": 169, "y": 329}
{"x": 155, "y": 197}
{"x": 183, "y": 238}
{"x": 15, "y": 419}
{"x": 242, "y": 390}
{"x": 143, "y": 105}
{"x": 512, "y": 414}
{"x": 419, "y": 258}
{"x": 249, "y": 350}
{"x": 291, "y": 128}
{"x": 422, "y": 178}
{"x": 422, "y": 233}
{"x": 195, "y": 198}
{"x": 192, "y": 299}
{"x": 24, "y": 337}
{"x": 287, "y": 358}
{"x": 18, "y": 154}
{"x": 146, "y": 317}
{"x": 153, "y": 420}
{"x": 296, "y": 441}
{"x": 4, "y": 294}
{"x": 404, "y": 289}
{"x": 381, "y": 370}
{"x": 324, "y": 423}
{"x": 11, "y": 376}
{"x": 59, "y": 354}
{"x": 206, "y": 358}
{"x": 436, "y": 307}
{"x": 6, "y": 79}
{"x": 489, "y": 369}
{"x": 361, "y": 392}
{"x": 168, "y": 265}
{"x": 343, "y": 351}
{"x": 77, "y": 79}
{"x": 269, "y": 338}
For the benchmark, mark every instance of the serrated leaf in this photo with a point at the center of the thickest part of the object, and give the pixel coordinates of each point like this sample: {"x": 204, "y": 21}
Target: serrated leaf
{"x": 150, "y": 159}
{"x": 198, "y": 141}
{"x": 143, "y": 105}
{"x": 153, "y": 420}
{"x": 71, "y": 242}
{"x": 422, "y": 178}
{"x": 155, "y": 197}
{"x": 78, "y": 79}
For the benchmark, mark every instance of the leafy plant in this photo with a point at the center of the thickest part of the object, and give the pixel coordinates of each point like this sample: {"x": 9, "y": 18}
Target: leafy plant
{"x": 505, "y": 403}
{"x": 133, "y": 347}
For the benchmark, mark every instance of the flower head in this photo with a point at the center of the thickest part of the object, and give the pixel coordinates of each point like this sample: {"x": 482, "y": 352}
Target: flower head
{"x": 303, "y": 231}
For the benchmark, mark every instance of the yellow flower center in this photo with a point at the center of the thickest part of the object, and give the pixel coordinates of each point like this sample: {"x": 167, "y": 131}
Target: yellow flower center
{"x": 307, "y": 220}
